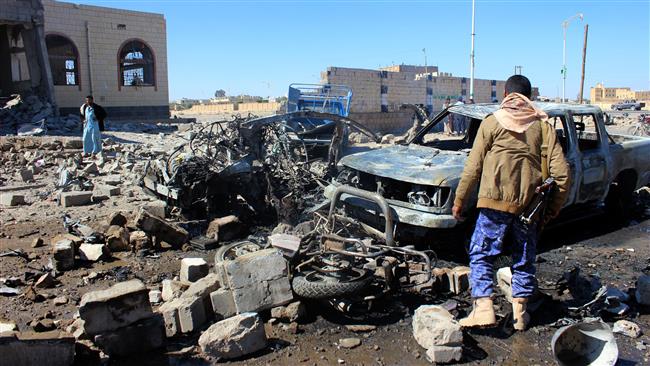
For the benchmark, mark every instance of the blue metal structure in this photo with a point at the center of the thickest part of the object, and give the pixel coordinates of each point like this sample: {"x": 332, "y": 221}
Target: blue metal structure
{"x": 324, "y": 98}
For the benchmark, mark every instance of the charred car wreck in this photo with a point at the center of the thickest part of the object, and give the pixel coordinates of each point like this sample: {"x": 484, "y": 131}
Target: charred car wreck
{"x": 417, "y": 180}
{"x": 250, "y": 166}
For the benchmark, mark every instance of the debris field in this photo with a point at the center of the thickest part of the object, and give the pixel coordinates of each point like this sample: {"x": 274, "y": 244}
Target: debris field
{"x": 212, "y": 242}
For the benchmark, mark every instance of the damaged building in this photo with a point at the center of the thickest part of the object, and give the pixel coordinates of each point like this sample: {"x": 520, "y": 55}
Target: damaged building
{"x": 60, "y": 52}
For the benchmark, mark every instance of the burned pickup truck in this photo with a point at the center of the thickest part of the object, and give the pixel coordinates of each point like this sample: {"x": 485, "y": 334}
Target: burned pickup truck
{"x": 415, "y": 182}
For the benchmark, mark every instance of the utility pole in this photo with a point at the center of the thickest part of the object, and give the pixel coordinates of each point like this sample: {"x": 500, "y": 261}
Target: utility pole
{"x": 471, "y": 55}
{"x": 565, "y": 25}
{"x": 518, "y": 70}
{"x": 584, "y": 60}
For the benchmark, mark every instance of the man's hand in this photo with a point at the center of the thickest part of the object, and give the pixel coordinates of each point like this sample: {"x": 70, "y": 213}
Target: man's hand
{"x": 456, "y": 211}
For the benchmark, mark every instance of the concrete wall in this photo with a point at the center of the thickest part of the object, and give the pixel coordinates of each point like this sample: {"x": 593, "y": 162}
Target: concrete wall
{"x": 232, "y": 107}
{"x": 108, "y": 29}
{"x": 20, "y": 11}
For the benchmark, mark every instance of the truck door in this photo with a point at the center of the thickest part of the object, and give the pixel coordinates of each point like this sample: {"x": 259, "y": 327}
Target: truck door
{"x": 592, "y": 157}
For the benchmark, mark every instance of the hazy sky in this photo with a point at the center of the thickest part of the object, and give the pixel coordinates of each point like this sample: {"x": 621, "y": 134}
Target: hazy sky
{"x": 259, "y": 47}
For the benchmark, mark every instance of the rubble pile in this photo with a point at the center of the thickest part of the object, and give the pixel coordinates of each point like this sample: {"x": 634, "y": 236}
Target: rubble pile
{"x": 31, "y": 115}
{"x": 215, "y": 238}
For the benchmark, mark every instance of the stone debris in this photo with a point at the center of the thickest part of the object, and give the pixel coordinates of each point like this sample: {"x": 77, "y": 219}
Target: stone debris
{"x": 63, "y": 255}
{"x": 627, "y": 328}
{"x": 139, "y": 240}
{"x": 289, "y": 313}
{"x": 223, "y": 304}
{"x": 27, "y": 175}
{"x": 643, "y": 290}
{"x": 444, "y": 354}
{"x": 118, "y": 306}
{"x": 435, "y": 326}
{"x": 6, "y": 326}
{"x": 155, "y": 297}
{"x": 45, "y": 281}
{"x": 234, "y": 337}
{"x": 459, "y": 277}
{"x": 70, "y": 199}
{"x": 61, "y": 300}
{"x": 37, "y": 243}
{"x": 136, "y": 338}
{"x": 172, "y": 289}
{"x": 183, "y": 315}
{"x": 224, "y": 228}
{"x": 12, "y": 199}
{"x": 349, "y": 343}
{"x": 193, "y": 269}
{"x": 504, "y": 282}
{"x": 287, "y": 244}
{"x": 360, "y": 328}
{"x": 93, "y": 252}
{"x": 161, "y": 229}
{"x": 117, "y": 238}
{"x": 258, "y": 280}
{"x": 31, "y": 349}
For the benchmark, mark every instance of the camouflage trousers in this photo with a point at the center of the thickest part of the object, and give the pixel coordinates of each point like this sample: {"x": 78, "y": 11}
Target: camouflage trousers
{"x": 488, "y": 242}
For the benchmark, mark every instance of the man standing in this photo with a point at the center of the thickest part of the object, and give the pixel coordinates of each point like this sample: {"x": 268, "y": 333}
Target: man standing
{"x": 449, "y": 123}
{"x": 460, "y": 120}
{"x": 93, "y": 121}
{"x": 509, "y": 160}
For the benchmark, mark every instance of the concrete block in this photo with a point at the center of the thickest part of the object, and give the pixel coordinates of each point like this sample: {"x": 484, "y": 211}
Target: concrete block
{"x": 223, "y": 303}
{"x": 460, "y": 276}
{"x": 106, "y": 191}
{"x": 172, "y": 289}
{"x": 444, "y": 354}
{"x": 504, "y": 282}
{"x": 12, "y": 199}
{"x": 117, "y": 238}
{"x": 52, "y": 348}
{"x": 156, "y": 208}
{"x": 193, "y": 269}
{"x": 93, "y": 252}
{"x": 234, "y": 337}
{"x": 26, "y": 175}
{"x": 258, "y": 280}
{"x": 75, "y": 198}
{"x": 139, "y": 240}
{"x": 113, "y": 179}
{"x": 155, "y": 297}
{"x": 142, "y": 336}
{"x": 63, "y": 255}
{"x": 290, "y": 313}
{"x": 118, "y": 306}
{"x": 169, "y": 312}
{"x": 162, "y": 230}
{"x": 435, "y": 326}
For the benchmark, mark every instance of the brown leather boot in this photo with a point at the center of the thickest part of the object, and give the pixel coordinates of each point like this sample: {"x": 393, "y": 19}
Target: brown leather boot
{"x": 482, "y": 316}
{"x": 520, "y": 317}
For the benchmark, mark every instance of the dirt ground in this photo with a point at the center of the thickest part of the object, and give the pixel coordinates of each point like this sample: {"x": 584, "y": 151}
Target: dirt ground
{"x": 617, "y": 255}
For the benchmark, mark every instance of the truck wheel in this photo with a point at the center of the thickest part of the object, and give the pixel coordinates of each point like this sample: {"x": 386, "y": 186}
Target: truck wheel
{"x": 312, "y": 284}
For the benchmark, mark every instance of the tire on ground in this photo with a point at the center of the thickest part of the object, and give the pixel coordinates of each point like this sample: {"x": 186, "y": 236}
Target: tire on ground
{"x": 327, "y": 289}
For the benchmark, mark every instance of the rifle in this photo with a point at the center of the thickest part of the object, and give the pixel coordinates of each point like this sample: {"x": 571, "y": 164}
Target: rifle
{"x": 538, "y": 204}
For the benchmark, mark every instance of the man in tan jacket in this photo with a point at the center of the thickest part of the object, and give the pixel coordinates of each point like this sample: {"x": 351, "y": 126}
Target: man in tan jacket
{"x": 507, "y": 160}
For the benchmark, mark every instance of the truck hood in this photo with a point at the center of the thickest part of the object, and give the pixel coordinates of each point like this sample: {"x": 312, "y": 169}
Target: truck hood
{"x": 411, "y": 163}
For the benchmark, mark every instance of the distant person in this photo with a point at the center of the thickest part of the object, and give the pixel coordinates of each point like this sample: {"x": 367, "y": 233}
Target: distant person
{"x": 93, "y": 116}
{"x": 471, "y": 101}
{"x": 449, "y": 123}
{"x": 460, "y": 124}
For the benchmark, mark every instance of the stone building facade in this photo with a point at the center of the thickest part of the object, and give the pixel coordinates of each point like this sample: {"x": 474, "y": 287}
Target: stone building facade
{"x": 606, "y": 96}
{"x": 118, "y": 56}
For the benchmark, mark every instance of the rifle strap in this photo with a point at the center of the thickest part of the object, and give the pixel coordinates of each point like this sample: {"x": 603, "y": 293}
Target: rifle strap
{"x": 545, "y": 172}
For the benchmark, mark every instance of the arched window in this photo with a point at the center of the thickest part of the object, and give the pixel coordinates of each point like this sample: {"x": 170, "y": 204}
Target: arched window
{"x": 137, "y": 66}
{"x": 64, "y": 60}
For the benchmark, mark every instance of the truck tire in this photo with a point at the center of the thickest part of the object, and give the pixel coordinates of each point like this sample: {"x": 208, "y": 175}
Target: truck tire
{"x": 318, "y": 286}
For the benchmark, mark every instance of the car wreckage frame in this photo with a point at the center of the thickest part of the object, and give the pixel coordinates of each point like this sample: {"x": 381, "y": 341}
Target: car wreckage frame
{"x": 262, "y": 169}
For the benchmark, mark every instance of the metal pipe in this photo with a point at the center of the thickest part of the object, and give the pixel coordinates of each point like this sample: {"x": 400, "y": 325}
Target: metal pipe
{"x": 471, "y": 55}
{"x": 373, "y": 197}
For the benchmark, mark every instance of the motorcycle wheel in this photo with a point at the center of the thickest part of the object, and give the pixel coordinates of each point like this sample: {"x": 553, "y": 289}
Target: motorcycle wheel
{"x": 231, "y": 251}
{"x": 312, "y": 284}
{"x": 633, "y": 130}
